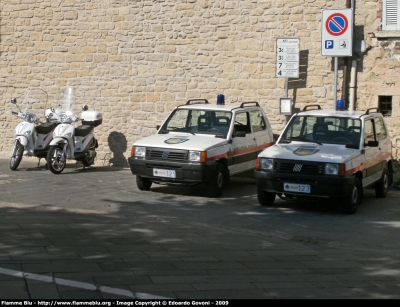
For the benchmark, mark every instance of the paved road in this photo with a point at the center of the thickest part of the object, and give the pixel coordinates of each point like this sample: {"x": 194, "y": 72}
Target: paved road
{"x": 91, "y": 234}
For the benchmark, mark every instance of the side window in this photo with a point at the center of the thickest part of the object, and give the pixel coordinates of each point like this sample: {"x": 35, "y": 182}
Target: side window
{"x": 369, "y": 134}
{"x": 257, "y": 121}
{"x": 380, "y": 129}
{"x": 242, "y": 122}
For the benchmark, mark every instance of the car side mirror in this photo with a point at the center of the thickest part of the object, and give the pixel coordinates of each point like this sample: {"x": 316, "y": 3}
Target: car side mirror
{"x": 158, "y": 127}
{"x": 373, "y": 143}
{"x": 14, "y": 100}
{"x": 239, "y": 134}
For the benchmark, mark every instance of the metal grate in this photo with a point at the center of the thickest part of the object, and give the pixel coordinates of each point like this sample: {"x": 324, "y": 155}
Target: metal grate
{"x": 300, "y": 168}
{"x": 166, "y": 154}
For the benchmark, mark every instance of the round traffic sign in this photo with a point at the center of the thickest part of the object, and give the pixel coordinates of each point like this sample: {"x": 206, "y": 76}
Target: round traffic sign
{"x": 336, "y": 24}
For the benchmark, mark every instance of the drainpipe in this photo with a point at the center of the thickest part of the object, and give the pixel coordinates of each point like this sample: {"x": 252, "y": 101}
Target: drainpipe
{"x": 346, "y": 64}
{"x": 353, "y": 83}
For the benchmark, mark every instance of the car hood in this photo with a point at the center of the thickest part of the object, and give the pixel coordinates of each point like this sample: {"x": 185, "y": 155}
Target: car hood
{"x": 181, "y": 141}
{"x": 310, "y": 152}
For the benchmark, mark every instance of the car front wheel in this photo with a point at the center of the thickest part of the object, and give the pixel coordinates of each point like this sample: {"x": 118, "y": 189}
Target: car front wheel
{"x": 143, "y": 184}
{"x": 215, "y": 186}
{"x": 265, "y": 198}
{"x": 353, "y": 200}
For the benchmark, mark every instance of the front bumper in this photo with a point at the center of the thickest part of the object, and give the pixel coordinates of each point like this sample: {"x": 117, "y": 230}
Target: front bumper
{"x": 186, "y": 173}
{"x": 322, "y": 186}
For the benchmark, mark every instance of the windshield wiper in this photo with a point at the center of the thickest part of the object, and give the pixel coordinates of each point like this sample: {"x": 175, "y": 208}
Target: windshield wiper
{"x": 182, "y": 130}
{"x": 304, "y": 140}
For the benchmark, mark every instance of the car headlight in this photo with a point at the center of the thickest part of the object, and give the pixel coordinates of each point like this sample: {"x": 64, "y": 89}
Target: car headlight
{"x": 332, "y": 169}
{"x": 197, "y": 156}
{"x": 140, "y": 151}
{"x": 265, "y": 164}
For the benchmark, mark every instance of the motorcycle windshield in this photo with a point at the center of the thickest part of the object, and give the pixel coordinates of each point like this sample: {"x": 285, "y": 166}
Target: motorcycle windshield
{"x": 67, "y": 101}
{"x": 34, "y": 104}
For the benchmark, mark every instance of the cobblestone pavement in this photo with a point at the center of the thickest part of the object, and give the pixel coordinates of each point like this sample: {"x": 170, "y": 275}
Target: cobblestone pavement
{"x": 91, "y": 234}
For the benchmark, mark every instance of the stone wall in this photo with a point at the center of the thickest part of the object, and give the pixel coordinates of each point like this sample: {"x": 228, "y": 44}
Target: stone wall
{"x": 136, "y": 60}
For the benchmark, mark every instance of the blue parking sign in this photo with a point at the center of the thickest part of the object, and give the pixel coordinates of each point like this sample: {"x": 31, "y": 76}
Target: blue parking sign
{"x": 329, "y": 44}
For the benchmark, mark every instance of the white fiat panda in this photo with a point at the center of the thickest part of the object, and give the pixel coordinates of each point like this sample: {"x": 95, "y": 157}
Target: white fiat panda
{"x": 327, "y": 154}
{"x": 201, "y": 142}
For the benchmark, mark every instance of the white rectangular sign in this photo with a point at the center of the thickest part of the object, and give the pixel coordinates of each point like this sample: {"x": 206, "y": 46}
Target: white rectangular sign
{"x": 287, "y": 57}
{"x": 337, "y": 33}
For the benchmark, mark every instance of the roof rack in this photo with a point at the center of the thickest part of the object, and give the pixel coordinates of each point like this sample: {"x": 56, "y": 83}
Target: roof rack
{"x": 255, "y": 104}
{"x": 195, "y": 101}
{"x": 368, "y": 110}
{"x": 306, "y": 108}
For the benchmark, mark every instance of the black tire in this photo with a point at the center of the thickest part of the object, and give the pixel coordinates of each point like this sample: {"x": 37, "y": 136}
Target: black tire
{"x": 87, "y": 161}
{"x": 54, "y": 161}
{"x": 351, "y": 202}
{"x": 382, "y": 186}
{"x": 16, "y": 160}
{"x": 143, "y": 184}
{"x": 265, "y": 198}
{"x": 216, "y": 185}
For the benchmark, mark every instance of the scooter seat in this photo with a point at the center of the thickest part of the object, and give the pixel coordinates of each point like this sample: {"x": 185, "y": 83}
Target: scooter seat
{"x": 45, "y": 128}
{"x": 83, "y": 130}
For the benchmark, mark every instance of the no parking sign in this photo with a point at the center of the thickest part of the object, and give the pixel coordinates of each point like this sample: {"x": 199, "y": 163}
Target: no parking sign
{"x": 337, "y": 33}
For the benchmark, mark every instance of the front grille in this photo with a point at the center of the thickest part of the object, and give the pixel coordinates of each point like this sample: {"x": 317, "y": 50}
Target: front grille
{"x": 167, "y": 154}
{"x": 299, "y": 167}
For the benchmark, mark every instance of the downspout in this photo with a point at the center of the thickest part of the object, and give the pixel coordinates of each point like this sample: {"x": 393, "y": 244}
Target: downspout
{"x": 345, "y": 67}
{"x": 353, "y": 72}
{"x": 353, "y": 84}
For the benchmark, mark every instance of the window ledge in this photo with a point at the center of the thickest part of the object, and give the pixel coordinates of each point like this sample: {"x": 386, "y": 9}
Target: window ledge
{"x": 387, "y": 34}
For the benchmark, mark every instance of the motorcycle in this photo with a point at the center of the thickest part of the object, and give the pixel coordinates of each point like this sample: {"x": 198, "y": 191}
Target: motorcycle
{"x": 69, "y": 142}
{"x": 32, "y": 137}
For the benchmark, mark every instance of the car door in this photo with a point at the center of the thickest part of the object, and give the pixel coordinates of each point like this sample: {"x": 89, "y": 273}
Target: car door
{"x": 261, "y": 130}
{"x": 372, "y": 165}
{"x": 242, "y": 155}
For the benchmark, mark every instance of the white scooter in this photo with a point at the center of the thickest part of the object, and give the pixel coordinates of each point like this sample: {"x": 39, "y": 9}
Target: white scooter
{"x": 32, "y": 137}
{"x": 69, "y": 142}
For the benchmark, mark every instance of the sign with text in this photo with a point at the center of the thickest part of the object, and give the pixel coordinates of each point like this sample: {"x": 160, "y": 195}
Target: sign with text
{"x": 337, "y": 33}
{"x": 287, "y": 57}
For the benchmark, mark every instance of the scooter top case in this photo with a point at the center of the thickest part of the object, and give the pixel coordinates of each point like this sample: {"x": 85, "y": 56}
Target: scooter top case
{"x": 91, "y": 118}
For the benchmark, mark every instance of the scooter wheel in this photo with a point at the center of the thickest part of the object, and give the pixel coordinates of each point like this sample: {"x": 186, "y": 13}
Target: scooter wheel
{"x": 16, "y": 159}
{"x": 54, "y": 161}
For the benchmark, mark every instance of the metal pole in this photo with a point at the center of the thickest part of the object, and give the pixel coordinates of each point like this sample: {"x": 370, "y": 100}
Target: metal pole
{"x": 336, "y": 84}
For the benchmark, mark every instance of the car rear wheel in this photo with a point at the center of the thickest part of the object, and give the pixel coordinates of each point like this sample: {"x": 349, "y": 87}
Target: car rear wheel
{"x": 382, "y": 186}
{"x": 265, "y": 198}
{"x": 143, "y": 184}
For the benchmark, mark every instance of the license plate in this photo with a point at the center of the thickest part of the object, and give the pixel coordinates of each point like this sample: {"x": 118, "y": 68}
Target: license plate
{"x": 294, "y": 187}
{"x": 164, "y": 173}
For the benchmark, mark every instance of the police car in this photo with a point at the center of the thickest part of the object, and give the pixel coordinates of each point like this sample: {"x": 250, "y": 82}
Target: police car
{"x": 327, "y": 154}
{"x": 201, "y": 142}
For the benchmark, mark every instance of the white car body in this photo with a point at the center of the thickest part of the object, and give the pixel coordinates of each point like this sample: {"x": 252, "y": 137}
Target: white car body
{"x": 234, "y": 134}
{"x": 321, "y": 152}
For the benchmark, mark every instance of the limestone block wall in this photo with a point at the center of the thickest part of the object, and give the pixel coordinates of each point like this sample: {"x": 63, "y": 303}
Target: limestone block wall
{"x": 135, "y": 60}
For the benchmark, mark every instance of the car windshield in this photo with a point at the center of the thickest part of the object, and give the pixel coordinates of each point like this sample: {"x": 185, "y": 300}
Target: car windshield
{"x": 198, "y": 122}
{"x": 319, "y": 129}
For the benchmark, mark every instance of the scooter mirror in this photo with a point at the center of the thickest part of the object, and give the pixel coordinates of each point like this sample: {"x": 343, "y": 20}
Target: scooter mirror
{"x": 85, "y": 107}
{"x": 14, "y": 100}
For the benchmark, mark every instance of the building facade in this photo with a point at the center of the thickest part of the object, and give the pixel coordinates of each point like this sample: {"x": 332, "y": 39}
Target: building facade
{"x": 135, "y": 60}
